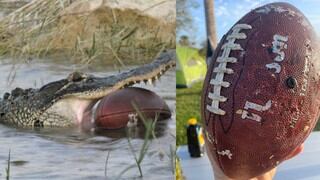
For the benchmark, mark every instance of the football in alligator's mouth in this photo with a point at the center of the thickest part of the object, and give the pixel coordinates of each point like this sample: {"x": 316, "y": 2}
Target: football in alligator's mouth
{"x": 116, "y": 110}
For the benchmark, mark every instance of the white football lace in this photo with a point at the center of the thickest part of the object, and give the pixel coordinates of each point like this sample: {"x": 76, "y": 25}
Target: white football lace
{"x": 218, "y": 82}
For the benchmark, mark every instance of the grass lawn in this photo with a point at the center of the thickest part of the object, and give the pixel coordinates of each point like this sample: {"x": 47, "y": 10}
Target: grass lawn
{"x": 188, "y": 106}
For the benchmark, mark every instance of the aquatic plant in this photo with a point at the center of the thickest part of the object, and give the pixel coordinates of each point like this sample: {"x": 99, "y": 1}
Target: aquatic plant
{"x": 150, "y": 127}
{"x": 179, "y": 175}
{"x": 106, "y": 164}
{"x": 8, "y": 166}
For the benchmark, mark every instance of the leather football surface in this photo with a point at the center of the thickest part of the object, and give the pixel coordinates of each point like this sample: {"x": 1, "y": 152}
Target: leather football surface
{"x": 261, "y": 97}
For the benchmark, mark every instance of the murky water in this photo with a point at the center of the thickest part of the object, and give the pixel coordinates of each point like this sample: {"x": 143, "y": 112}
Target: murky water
{"x": 73, "y": 154}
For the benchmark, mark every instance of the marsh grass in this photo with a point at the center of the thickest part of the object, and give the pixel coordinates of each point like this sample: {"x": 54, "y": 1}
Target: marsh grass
{"x": 106, "y": 164}
{"x": 8, "y": 166}
{"x": 101, "y": 37}
{"x": 173, "y": 156}
{"x": 178, "y": 170}
{"x": 42, "y": 28}
{"x": 150, "y": 127}
{"x": 172, "y": 148}
{"x": 20, "y": 29}
{"x": 149, "y": 136}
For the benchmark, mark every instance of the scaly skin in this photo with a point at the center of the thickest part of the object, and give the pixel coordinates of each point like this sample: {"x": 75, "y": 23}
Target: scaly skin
{"x": 37, "y": 107}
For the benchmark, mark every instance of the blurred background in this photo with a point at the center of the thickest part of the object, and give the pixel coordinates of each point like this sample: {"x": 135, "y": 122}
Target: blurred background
{"x": 191, "y": 20}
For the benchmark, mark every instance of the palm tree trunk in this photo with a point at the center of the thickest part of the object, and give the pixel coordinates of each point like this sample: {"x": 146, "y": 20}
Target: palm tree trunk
{"x": 210, "y": 22}
{"x": 211, "y": 28}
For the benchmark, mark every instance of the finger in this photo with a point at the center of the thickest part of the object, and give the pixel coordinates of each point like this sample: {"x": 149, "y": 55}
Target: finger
{"x": 295, "y": 152}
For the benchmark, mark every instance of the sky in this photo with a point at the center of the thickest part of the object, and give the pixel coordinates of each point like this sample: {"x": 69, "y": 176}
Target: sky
{"x": 228, "y": 12}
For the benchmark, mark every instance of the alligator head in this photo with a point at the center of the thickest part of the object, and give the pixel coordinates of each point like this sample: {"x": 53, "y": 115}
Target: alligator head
{"x": 69, "y": 101}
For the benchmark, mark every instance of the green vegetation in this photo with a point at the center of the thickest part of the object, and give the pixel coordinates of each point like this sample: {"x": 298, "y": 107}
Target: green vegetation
{"x": 150, "y": 126}
{"x": 179, "y": 175}
{"x": 188, "y": 106}
{"x": 149, "y": 137}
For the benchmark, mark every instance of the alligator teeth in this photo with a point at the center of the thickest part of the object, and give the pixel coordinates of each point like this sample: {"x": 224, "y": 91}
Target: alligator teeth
{"x": 150, "y": 81}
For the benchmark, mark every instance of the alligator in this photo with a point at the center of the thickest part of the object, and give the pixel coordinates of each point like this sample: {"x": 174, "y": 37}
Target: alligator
{"x": 69, "y": 101}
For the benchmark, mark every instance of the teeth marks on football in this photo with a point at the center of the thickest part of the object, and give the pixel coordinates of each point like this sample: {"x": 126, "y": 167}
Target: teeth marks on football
{"x": 217, "y": 81}
{"x": 294, "y": 120}
{"x": 306, "y": 70}
{"x": 275, "y": 66}
{"x": 252, "y": 116}
{"x": 209, "y": 137}
{"x": 278, "y": 45}
{"x": 226, "y": 152}
{"x": 277, "y": 9}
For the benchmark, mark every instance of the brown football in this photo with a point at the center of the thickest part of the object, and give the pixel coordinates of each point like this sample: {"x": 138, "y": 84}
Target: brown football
{"x": 261, "y": 97}
{"x": 114, "y": 110}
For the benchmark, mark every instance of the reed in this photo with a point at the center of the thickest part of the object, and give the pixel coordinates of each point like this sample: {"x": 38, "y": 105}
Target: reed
{"x": 179, "y": 175}
{"x": 150, "y": 127}
{"x": 8, "y": 166}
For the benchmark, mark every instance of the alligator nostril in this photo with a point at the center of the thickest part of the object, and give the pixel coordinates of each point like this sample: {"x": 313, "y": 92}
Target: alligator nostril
{"x": 291, "y": 82}
{"x": 2, "y": 114}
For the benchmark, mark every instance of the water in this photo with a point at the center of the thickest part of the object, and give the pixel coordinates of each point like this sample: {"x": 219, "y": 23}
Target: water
{"x": 72, "y": 153}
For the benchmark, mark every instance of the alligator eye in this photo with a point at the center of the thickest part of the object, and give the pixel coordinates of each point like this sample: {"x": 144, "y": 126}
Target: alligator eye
{"x": 76, "y": 76}
{"x": 291, "y": 82}
{"x": 17, "y": 92}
